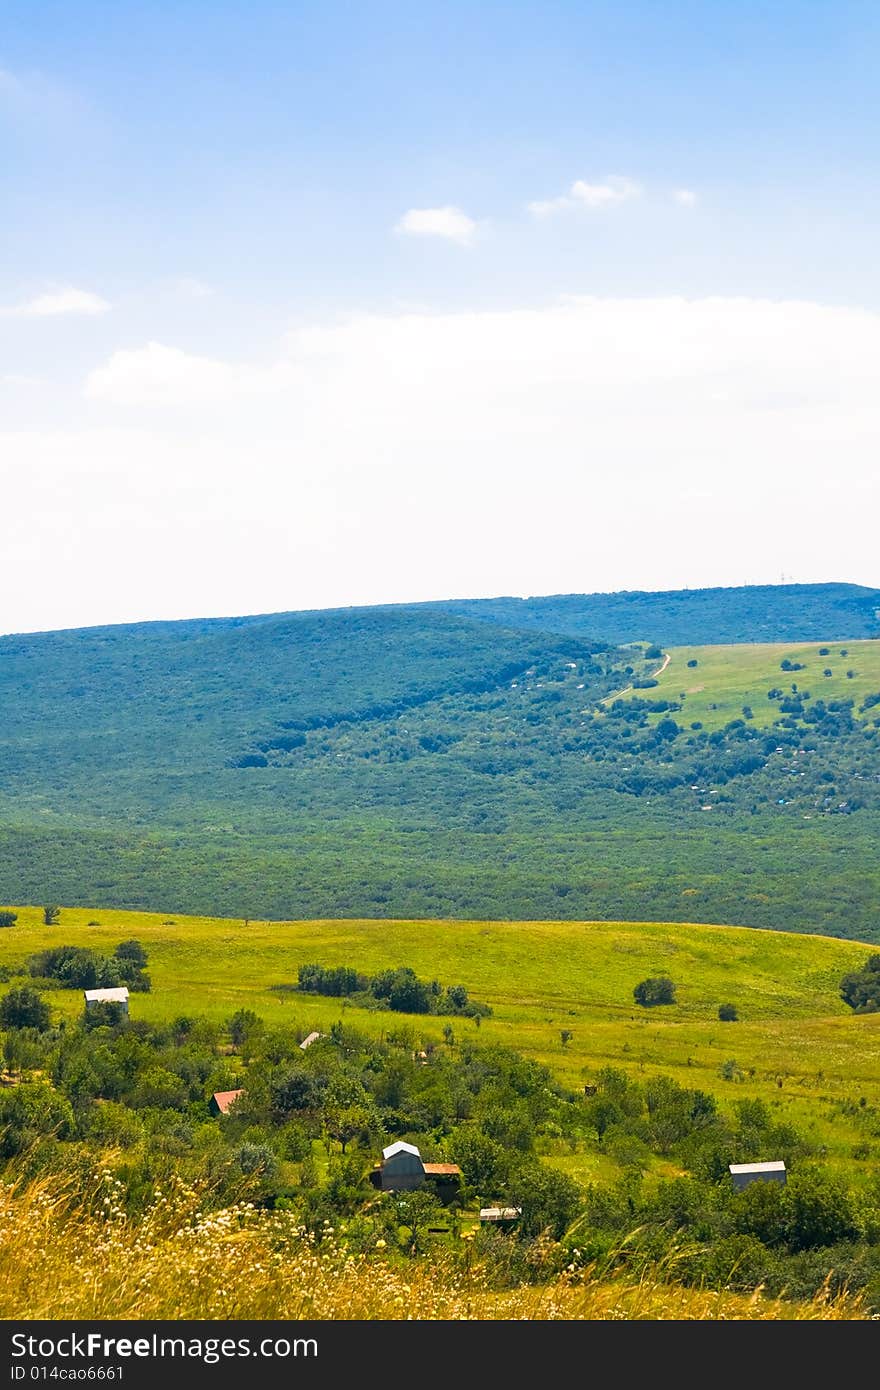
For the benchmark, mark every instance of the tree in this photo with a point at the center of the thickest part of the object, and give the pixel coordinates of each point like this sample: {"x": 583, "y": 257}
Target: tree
{"x": 8, "y": 919}
{"x": 728, "y": 1013}
{"x": 297, "y": 1091}
{"x": 657, "y": 989}
{"x": 417, "y": 1211}
{"x": 818, "y": 1211}
{"x": 349, "y": 1122}
{"x": 30, "y": 1112}
{"x": 242, "y": 1025}
{"x": 131, "y": 951}
{"x": 566, "y": 1036}
{"x": 693, "y": 662}
{"x": 104, "y": 1013}
{"x": 861, "y": 988}
{"x": 547, "y": 1199}
{"x": 24, "y": 1008}
{"x": 51, "y": 916}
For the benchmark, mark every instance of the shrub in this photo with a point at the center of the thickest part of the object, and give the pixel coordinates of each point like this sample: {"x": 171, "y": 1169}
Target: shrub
{"x": 8, "y": 919}
{"x": 861, "y": 988}
{"x": 24, "y": 1008}
{"x": 657, "y": 989}
{"x": 728, "y": 1013}
{"x": 131, "y": 951}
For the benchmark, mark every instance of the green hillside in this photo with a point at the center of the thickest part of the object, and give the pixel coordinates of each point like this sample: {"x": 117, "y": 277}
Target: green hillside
{"x": 419, "y": 762}
{"x": 718, "y": 681}
{"x": 609, "y": 1126}
{"x": 751, "y": 613}
{"x": 796, "y": 1044}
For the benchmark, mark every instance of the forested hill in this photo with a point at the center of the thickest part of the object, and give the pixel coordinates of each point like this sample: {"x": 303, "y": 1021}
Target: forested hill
{"x": 690, "y": 617}
{"x": 456, "y": 760}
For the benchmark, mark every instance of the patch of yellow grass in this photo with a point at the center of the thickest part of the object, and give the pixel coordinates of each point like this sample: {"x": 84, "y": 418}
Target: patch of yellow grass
{"x": 60, "y": 1262}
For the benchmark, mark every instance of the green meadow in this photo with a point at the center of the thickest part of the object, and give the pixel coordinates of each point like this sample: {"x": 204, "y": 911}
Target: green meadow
{"x": 796, "y": 1043}
{"x": 728, "y": 677}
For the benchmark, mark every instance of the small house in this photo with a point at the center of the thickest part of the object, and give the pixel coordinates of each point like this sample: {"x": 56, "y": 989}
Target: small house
{"x": 307, "y": 1042}
{"x": 118, "y": 996}
{"x": 222, "y": 1102}
{"x": 745, "y": 1173}
{"x": 402, "y": 1170}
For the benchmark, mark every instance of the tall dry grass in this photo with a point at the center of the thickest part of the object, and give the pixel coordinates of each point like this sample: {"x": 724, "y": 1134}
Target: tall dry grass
{"x": 61, "y": 1260}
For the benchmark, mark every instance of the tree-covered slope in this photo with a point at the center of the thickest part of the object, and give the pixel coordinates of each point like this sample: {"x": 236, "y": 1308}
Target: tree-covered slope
{"x": 691, "y": 617}
{"x": 414, "y": 761}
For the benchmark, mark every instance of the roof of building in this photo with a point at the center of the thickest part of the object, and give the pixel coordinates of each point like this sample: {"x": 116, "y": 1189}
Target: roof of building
{"x": 439, "y": 1170}
{"x": 499, "y": 1213}
{"x": 307, "y": 1042}
{"x": 224, "y": 1100}
{"x": 400, "y": 1148}
{"x": 118, "y": 995}
{"x": 777, "y": 1166}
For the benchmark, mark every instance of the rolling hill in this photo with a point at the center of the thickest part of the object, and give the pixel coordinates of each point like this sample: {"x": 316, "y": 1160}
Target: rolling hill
{"x": 503, "y": 758}
{"x": 796, "y": 1045}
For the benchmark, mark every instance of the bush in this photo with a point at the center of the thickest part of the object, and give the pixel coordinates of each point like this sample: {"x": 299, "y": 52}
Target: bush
{"x": 728, "y": 1013}
{"x": 131, "y": 951}
{"x": 24, "y": 1008}
{"x": 8, "y": 919}
{"x": 861, "y": 988}
{"x": 658, "y": 989}
{"x": 51, "y": 916}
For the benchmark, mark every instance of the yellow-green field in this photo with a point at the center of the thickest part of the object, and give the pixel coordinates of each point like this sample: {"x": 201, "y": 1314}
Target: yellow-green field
{"x": 797, "y": 1044}
{"x": 726, "y": 678}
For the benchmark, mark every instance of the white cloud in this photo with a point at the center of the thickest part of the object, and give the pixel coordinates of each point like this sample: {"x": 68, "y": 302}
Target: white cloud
{"x": 588, "y": 444}
{"x": 615, "y": 189}
{"x": 686, "y": 196}
{"x": 449, "y": 223}
{"x": 55, "y": 303}
{"x": 157, "y": 375}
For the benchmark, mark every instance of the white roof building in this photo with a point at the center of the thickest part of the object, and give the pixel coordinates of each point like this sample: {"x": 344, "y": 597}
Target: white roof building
{"x": 107, "y": 996}
{"x": 745, "y": 1173}
{"x": 400, "y": 1148}
{"x": 307, "y": 1042}
{"x": 777, "y": 1166}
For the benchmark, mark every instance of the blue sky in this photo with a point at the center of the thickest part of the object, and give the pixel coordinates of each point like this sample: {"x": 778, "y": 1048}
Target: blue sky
{"x": 230, "y": 229}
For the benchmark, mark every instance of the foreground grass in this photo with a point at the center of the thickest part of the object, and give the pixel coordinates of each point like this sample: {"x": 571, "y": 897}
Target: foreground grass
{"x": 60, "y": 1262}
{"x": 728, "y": 677}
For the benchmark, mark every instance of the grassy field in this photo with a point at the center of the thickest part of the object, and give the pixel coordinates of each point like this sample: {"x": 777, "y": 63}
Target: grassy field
{"x": 726, "y": 678}
{"x": 180, "y": 1263}
{"x": 796, "y": 1044}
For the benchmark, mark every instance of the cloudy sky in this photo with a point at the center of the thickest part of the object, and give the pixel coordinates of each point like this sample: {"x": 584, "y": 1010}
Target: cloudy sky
{"x": 313, "y": 304}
